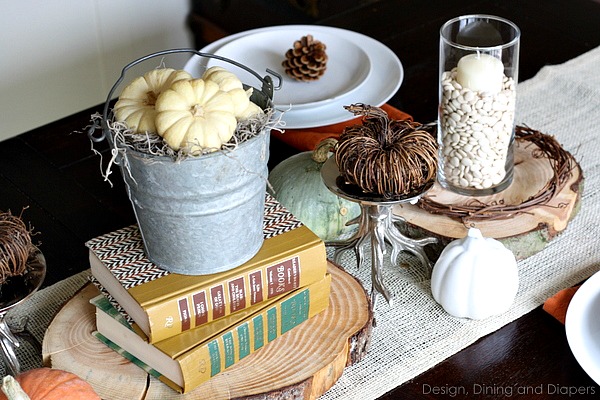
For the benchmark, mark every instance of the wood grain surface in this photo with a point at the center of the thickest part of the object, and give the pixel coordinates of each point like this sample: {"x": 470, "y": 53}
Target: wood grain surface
{"x": 303, "y": 363}
{"x": 523, "y": 233}
{"x": 52, "y": 173}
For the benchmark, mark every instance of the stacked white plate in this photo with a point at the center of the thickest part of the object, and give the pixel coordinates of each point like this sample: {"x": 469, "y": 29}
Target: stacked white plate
{"x": 583, "y": 326}
{"x": 360, "y": 69}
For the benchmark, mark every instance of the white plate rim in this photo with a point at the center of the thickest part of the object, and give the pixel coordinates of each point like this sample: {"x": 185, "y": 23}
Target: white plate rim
{"x": 378, "y": 83}
{"x": 361, "y": 71}
{"x": 577, "y": 311}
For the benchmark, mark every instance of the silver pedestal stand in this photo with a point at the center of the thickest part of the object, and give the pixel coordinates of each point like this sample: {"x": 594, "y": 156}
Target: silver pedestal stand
{"x": 14, "y": 292}
{"x": 376, "y": 226}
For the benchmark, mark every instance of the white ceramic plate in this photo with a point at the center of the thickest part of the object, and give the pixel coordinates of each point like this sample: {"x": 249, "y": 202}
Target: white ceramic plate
{"x": 383, "y": 81}
{"x": 583, "y": 326}
{"x": 348, "y": 66}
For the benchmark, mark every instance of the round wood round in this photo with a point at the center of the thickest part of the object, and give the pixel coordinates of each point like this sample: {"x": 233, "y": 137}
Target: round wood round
{"x": 308, "y": 360}
{"x": 524, "y": 233}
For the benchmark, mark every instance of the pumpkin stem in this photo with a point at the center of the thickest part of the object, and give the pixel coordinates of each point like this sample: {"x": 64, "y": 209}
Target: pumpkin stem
{"x": 151, "y": 98}
{"x": 321, "y": 153}
{"x": 375, "y": 119}
{"x": 12, "y": 389}
{"x": 197, "y": 110}
{"x": 474, "y": 233}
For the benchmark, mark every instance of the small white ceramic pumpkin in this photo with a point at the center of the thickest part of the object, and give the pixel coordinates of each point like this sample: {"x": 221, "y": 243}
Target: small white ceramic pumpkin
{"x": 475, "y": 277}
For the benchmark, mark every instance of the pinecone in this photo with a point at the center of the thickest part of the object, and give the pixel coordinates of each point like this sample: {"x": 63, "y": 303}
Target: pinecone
{"x": 307, "y": 60}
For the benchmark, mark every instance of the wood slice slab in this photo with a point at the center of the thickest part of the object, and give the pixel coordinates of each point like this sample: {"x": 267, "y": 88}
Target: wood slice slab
{"x": 303, "y": 363}
{"x": 524, "y": 233}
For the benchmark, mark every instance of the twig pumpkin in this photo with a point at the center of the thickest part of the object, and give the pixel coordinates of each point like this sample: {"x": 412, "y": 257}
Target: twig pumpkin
{"x": 386, "y": 157}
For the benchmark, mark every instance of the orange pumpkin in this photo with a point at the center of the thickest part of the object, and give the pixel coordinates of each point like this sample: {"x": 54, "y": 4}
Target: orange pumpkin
{"x": 54, "y": 384}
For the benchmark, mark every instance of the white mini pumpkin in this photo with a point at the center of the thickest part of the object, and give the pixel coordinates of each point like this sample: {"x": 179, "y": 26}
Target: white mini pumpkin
{"x": 230, "y": 83}
{"x": 226, "y": 80}
{"x": 136, "y": 104}
{"x": 475, "y": 277}
{"x": 195, "y": 115}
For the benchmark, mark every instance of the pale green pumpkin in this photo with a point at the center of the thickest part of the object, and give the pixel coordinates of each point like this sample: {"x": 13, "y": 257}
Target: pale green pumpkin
{"x": 297, "y": 184}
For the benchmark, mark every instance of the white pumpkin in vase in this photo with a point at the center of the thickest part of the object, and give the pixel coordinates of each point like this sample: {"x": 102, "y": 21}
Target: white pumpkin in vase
{"x": 475, "y": 277}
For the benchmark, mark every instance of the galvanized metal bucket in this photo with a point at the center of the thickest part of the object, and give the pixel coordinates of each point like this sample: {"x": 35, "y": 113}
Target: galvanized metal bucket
{"x": 204, "y": 214}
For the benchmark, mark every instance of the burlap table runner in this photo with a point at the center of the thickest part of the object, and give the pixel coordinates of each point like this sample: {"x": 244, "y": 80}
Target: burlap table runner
{"x": 36, "y": 313}
{"x": 414, "y": 334}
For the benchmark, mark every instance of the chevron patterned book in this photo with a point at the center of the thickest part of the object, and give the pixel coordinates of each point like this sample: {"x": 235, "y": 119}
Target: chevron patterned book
{"x": 165, "y": 304}
{"x": 185, "y": 361}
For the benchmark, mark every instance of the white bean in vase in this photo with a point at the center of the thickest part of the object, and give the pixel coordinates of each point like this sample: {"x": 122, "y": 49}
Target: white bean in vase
{"x": 477, "y": 108}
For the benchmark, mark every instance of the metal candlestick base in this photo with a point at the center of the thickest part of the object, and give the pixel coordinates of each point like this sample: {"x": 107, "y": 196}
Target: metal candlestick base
{"x": 14, "y": 292}
{"x": 376, "y": 226}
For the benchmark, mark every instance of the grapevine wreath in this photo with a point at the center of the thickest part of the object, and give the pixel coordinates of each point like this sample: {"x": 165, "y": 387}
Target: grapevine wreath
{"x": 561, "y": 162}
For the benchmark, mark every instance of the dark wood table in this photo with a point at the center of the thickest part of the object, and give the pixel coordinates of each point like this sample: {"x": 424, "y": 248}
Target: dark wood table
{"x": 51, "y": 177}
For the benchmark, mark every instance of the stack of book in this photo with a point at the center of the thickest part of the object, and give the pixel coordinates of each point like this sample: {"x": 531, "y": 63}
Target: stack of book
{"x": 185, "y": 329}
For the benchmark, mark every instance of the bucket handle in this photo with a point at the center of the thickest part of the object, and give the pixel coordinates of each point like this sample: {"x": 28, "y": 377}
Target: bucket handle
{"x": 267, "y": 83}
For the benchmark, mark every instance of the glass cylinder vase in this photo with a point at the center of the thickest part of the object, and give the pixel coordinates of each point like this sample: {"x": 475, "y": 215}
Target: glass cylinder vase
{"x": 479, "y": 62}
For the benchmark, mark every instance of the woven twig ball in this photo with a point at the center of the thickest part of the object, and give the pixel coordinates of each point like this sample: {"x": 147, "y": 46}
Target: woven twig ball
{"x": 15, "y": 246}
{"x": 386, "y": 157}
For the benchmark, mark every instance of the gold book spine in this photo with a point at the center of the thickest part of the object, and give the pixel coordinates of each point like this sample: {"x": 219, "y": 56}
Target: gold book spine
{"x": 202, "y": 363}
{"x": 289, "y": 261}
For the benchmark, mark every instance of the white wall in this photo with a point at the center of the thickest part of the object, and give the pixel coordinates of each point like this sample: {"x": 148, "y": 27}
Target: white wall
{"x": 58, "y": 57}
